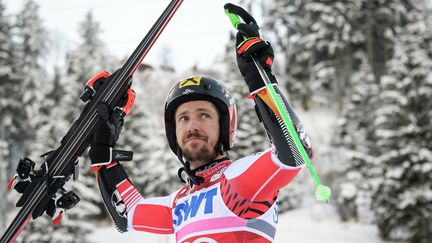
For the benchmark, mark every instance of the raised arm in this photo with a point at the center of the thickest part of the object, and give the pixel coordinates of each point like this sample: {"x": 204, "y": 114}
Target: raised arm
{"x": 125, "y": 205}
{"x": 249, "y": 44}
{"x": 251, "y": 184}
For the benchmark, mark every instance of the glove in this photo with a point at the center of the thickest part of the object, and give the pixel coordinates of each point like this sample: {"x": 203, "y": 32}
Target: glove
{"x": 249, "y": 43}
{"x": 107, "y": 132}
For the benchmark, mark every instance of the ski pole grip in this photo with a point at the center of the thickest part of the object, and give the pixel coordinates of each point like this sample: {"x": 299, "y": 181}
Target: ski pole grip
{"x": 234, "y": 18}
{"x": 235, "y": 12}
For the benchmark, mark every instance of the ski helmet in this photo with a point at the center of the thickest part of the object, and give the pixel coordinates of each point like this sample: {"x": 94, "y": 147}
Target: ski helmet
{"x": 202, "y": 88}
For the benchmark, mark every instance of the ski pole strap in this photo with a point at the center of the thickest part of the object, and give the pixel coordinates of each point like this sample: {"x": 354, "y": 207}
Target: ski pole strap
{"x": 247, "y": 43}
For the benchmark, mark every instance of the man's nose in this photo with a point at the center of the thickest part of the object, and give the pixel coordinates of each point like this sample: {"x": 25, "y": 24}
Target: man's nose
{"x": 193, "y": 125}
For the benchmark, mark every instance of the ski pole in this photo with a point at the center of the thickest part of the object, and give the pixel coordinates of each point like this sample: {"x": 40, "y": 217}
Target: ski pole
{"x": 322, "y": 192}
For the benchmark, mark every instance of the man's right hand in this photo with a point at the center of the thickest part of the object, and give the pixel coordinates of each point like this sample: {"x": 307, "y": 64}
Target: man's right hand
{"x": 106, "y": 134}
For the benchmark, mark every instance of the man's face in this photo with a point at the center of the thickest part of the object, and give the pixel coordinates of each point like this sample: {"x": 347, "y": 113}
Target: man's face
{"x": 197, "y": 131}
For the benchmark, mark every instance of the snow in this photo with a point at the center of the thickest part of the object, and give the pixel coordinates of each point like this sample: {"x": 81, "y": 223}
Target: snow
{"x": 348, "y": 190}
{"x": 317, "y": 222}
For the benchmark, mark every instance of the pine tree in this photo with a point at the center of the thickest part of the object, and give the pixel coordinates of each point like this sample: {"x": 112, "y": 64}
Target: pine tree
{"x": 32, "y": 48}
{"x": 40, "y": 100}
{"x": 30, "y": 40}
{"x": 402, "y": 202}
{"x": 320, "y": 41}
{"x": 371, "y": 28}
{"x": 6, "y": 104}
{"x": 355, "y": 134}
{"x": 73, "y": 227}
{"x": 90, "y": 58}
{"x": 53, "y": 109}
{"x": 13, "y": 116}
{"x": 309, "y": 33}
{"x": 160, "y": 173}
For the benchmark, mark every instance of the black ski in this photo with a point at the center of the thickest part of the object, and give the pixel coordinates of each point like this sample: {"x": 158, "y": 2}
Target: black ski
{"x": 60, "y": 164}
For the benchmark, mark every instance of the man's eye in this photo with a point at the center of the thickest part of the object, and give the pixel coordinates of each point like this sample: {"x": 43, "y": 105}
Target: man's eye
{"x": 182, "y": 118}
{"x": 205, "y": 115}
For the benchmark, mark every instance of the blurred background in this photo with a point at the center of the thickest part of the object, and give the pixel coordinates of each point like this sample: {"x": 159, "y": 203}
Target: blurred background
{"x": 356, "y": 71}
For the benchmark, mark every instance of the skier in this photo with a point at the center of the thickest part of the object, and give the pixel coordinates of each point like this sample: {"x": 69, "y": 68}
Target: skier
{"x": 223, "y": 200}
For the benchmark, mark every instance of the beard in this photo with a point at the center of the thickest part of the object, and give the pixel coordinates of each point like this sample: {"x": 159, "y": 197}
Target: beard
{"x": 203, "y": 154}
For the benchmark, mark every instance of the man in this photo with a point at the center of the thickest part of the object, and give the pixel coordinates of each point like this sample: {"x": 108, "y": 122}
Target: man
{"x": 223, "y": 201}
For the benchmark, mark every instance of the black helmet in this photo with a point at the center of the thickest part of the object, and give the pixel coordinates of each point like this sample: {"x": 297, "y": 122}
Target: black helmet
{"x": 202, "y": 88}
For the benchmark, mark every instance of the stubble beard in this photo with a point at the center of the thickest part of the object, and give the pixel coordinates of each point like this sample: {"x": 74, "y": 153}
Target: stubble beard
{"x": 199, "y": 156}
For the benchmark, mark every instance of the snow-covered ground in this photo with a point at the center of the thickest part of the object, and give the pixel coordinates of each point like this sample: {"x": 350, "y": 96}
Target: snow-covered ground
{"x": 319, "y": 223}
{"x": 316, "y": 223}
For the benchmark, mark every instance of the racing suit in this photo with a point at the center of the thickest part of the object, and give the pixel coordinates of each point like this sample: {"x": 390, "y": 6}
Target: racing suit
{"x": 238, "y": 201}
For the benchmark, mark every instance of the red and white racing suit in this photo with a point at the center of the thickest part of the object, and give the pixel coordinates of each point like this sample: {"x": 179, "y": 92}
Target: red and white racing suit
{"x": 238, "y": 201}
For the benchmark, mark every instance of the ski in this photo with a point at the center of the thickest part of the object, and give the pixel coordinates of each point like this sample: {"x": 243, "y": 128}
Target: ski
{"x": 46, "y": 183}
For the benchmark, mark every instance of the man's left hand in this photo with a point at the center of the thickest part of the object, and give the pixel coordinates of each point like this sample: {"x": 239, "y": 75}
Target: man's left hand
{"x": 249, "y": 44}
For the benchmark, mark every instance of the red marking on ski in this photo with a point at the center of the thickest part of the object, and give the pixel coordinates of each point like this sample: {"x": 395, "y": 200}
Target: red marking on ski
{"x": 20, "y": 228}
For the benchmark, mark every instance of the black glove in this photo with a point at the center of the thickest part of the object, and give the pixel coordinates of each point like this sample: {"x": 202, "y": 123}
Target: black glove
{"x": 249, "y": 44}
{"x": 106, "y": 134}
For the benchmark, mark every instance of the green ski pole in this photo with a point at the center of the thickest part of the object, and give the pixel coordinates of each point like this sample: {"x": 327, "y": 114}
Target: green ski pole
{"x": 322, "y": 192}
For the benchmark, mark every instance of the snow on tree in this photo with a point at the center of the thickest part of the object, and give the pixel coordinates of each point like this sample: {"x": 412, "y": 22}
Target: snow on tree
{"x": 31, "y": 49}
{"x": 160, "y": 171}
{"x": 38, "y": 131}
{"x": 73, "y": 227}
{"x": 88, "y": 59}
{"x": 402, "y": 202}
{"x": 22, "y": 75}
{"x": 53, "y": 109}
{"x": 320, "y": 41}
{"x": 355, "y": 136}
{"x": 309, "y": 34}
{"x": 352, "y": 47}
{"x": 7, "y": 105}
